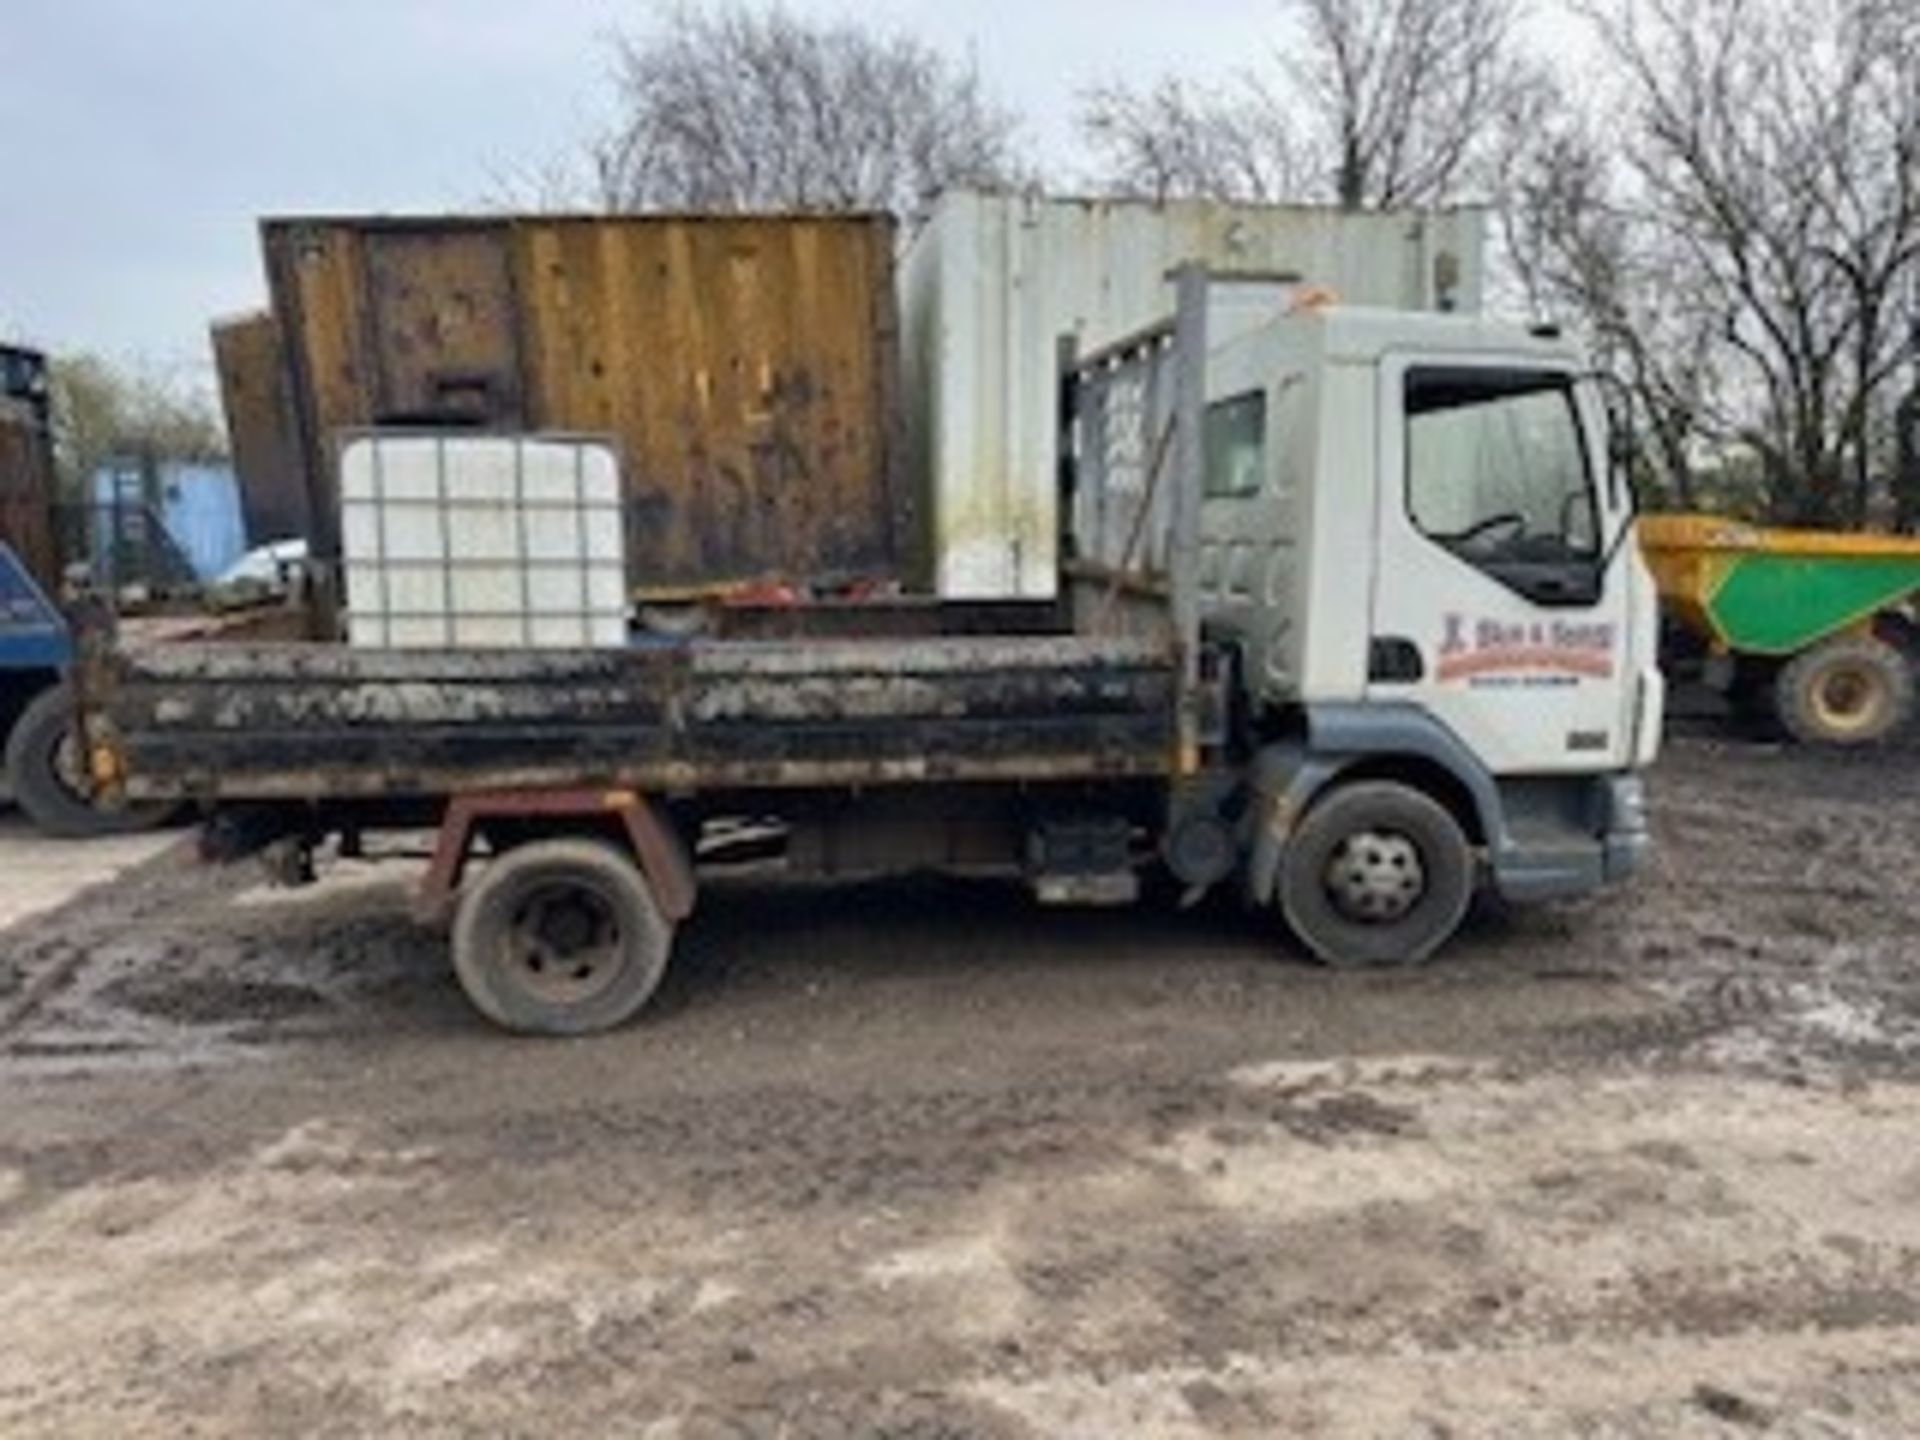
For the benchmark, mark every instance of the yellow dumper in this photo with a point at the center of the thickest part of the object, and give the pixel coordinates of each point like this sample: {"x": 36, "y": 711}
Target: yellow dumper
{"x": 1819, "y": 624}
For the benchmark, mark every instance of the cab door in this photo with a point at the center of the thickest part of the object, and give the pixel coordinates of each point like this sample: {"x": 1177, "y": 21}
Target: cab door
{"x": 1502, "y": 593}
{"x": 1258, "y": 397}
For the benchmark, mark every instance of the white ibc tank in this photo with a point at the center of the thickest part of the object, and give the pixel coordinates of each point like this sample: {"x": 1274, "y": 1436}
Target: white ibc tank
{"x": 454, "y": 540}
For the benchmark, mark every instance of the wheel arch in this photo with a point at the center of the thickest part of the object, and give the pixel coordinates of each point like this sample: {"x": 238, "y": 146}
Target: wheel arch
{"x": 1898, "y": 626}
{"x": 1430, "y": 778}
{"x": 627, "y": 819}
{"x": 1346, "y": 745}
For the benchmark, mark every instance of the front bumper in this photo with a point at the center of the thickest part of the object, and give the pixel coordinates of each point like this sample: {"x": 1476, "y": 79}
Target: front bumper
{"x": 1561, "y": 844}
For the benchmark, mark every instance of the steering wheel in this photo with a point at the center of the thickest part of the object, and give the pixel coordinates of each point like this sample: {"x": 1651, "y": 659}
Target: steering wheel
{"x": 1507, "y": 520}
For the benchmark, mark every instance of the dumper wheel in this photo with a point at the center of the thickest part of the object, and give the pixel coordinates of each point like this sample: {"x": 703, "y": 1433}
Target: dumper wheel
{"x": 1851, "y": 691}
{"x": 48, "y": 775}
{"x": 560, "y": 937}
{"x": 1377, "y": 874}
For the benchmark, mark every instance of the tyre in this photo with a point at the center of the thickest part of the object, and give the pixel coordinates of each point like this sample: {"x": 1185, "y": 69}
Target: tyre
{"x": 1377, "y": 874}
{"x": 1852, "y": 691}
{"x": 560, "y": 937}
{"x": 48, "y": 775}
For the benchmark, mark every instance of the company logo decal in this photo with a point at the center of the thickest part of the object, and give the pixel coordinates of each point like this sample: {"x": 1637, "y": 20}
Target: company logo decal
{"x": 1534, "y": 654}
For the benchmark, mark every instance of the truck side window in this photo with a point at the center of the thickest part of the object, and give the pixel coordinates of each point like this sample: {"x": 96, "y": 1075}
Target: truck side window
{"x": 1236, "y": 439}
{"x": 1497, "y": 472}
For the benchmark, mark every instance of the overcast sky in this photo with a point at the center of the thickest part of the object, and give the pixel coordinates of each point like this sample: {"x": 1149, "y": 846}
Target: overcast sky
{"x": 139, "y": 140}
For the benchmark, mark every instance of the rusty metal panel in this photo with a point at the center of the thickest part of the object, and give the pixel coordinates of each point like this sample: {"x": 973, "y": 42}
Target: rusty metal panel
{"x": 313, "y": 273}
{"x": 258, "y": 403}
{"x": 25, "y": 508}
{"x": 440, "y": 303}
{"x": 744, "y": 365}
{"x": 26, "y": 465}
{"x": 241, "y": 722}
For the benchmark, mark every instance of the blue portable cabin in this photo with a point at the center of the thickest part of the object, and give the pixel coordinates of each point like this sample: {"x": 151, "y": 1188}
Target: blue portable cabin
{"x": 201, "y": 506}
{"x": 165, "y": 524}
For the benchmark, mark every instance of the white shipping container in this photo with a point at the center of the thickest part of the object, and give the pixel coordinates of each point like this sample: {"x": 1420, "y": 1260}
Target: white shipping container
{"x": 462, "y": 541}
{"x": 992, "y": 282}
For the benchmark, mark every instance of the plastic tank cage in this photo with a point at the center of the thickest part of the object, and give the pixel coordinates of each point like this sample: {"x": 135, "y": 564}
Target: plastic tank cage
{"x": 461, "y": 541}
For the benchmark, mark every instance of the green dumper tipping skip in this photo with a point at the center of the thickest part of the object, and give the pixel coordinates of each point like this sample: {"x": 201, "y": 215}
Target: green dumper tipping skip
{"x": 1810, "y": 619}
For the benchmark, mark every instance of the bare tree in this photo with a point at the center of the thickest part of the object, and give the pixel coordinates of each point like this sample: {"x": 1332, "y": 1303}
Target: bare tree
{"x": 742, "y": 107}
{"x": 1177, "y": 141}
{"x": 1403, "y": 94}
{"x": 1577, "y": 255}
{"x": 1378, "y": 103}
{"x": 1754, "y": 250}
{"x": 104, "y": 411}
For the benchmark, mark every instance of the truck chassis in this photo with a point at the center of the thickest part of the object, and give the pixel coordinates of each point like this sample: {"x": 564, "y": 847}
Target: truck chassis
{"x": 598, "y": 785}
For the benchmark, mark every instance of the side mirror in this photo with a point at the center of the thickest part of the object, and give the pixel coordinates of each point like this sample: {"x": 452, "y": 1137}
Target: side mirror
{"x": 1621, "y": 447}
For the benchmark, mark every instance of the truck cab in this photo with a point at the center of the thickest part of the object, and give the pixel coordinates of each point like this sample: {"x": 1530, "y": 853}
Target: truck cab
{"x": 1415, "y": 543}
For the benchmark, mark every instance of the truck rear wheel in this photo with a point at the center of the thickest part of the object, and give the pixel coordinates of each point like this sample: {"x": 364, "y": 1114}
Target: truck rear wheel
{"x": 1377, "y": 874}
{"x": 1850, "y": 691}
{"x": 560, "y": 937}
{"x": 48, "y": 775}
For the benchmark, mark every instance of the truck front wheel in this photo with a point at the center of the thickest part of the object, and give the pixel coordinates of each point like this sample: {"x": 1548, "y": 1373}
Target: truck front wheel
{"x": 48, "y": 776}
{"x": 1852, "y": 691}
{"x": 560, "y": 937}
{"x": 1377, "y": 874}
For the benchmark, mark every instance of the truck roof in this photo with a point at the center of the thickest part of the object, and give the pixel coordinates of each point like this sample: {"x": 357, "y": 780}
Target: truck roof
{"x": 1359, "y": 332}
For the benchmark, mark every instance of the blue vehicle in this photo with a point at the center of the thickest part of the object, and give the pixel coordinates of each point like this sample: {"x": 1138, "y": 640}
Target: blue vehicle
{"x": 44, "y": 768}
{"x": 35, "y": 650}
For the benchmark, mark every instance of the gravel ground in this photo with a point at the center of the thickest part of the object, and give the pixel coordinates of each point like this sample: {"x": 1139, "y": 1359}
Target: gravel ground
{"x": 39, "y": 875}
{"x": 1644, "y": 1166}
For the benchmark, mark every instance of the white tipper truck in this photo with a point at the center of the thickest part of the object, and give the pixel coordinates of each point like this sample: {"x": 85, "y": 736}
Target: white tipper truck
{"x": 1351, "y": 620}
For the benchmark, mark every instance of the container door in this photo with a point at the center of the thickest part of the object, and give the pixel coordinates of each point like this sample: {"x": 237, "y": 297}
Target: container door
{"x": 26, "y": 494}
{"x": 259, "y": 408}
{"x": 26, "y": 464}
{"x": 1503, "y": 589}
{"x": 440, "y": 305}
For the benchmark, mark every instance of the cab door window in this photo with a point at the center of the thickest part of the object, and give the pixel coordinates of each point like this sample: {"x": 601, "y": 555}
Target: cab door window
{"x": 1236, "y": 446}
{"x": 1498, "y": 474}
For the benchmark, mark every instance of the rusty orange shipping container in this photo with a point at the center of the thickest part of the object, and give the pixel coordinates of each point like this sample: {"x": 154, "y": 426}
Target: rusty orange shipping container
{"x": 744, "y": 365}
{"x": 26, "y": 464}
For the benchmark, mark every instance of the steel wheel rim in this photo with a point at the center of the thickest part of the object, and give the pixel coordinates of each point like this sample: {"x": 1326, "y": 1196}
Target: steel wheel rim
{"x": 1376, "y": 877}
{"x": 1848, "y": 698}
{"x": 564, "y": 942}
